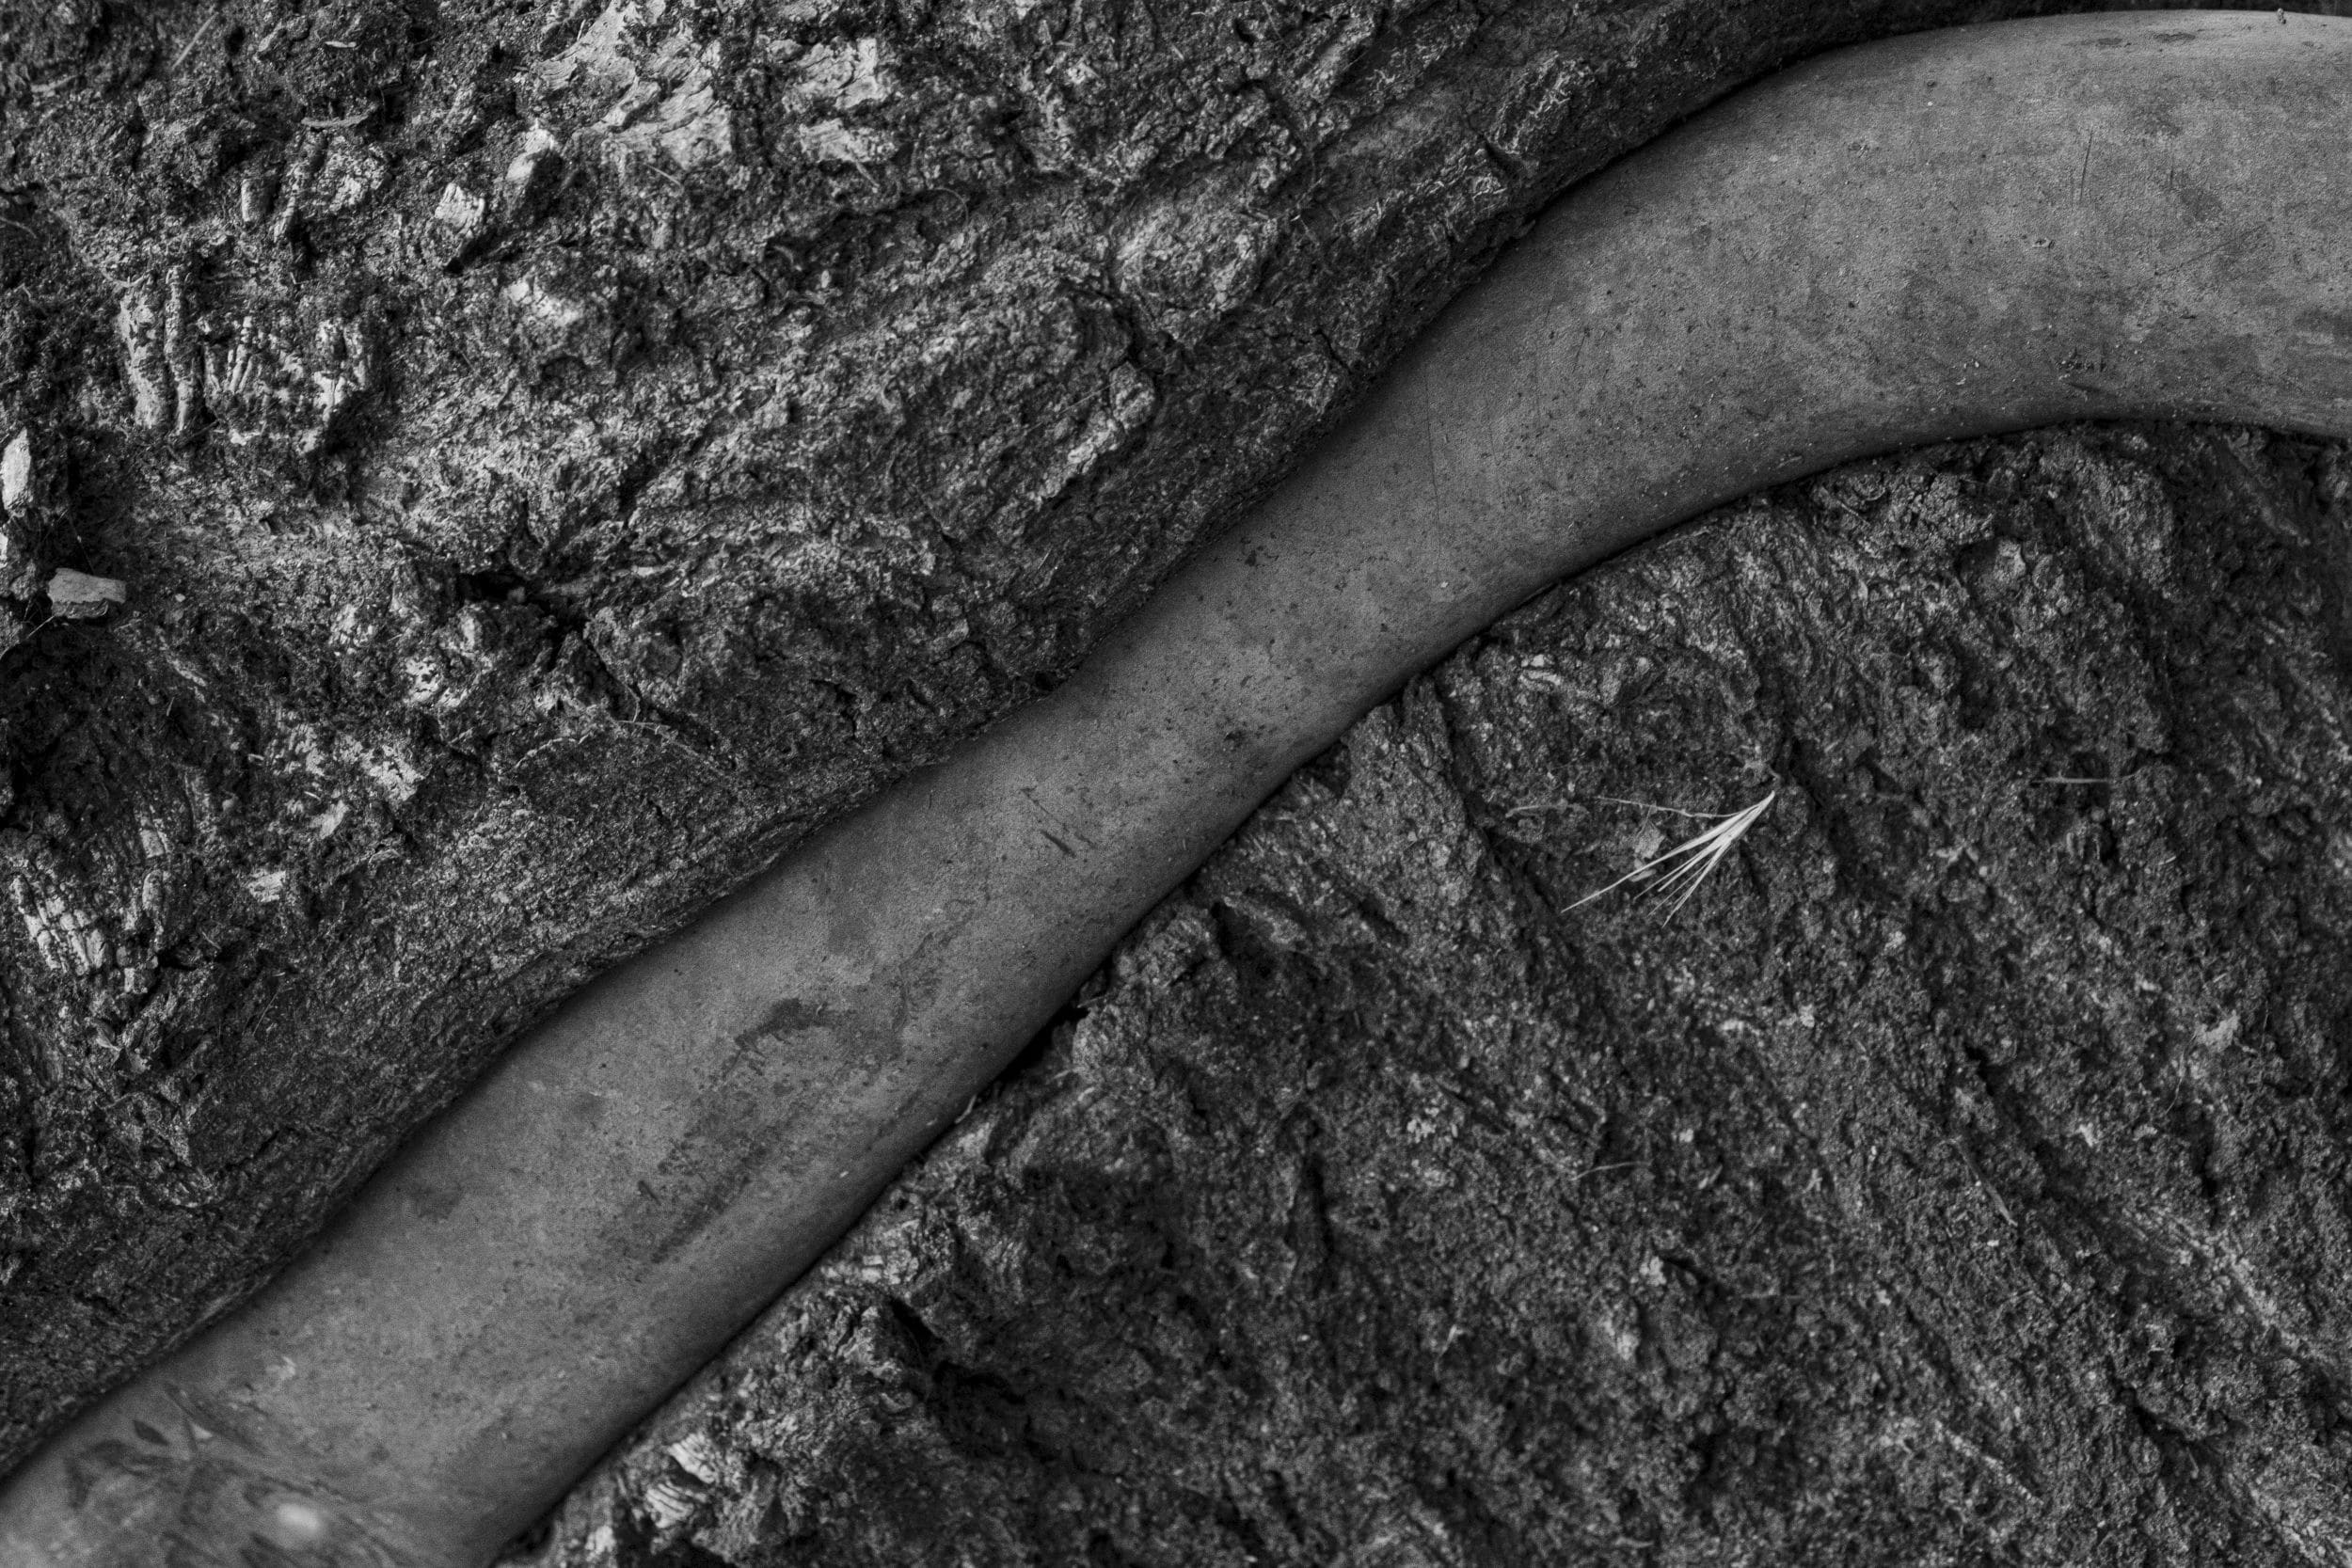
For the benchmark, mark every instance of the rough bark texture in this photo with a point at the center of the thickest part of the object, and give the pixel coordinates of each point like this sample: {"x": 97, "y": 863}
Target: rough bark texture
{"x": 1959, "y": 1176}
{"x": 550, "y": 456}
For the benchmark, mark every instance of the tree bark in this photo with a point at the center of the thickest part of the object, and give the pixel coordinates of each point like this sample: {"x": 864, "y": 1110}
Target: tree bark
{"x": 479, "y": 483}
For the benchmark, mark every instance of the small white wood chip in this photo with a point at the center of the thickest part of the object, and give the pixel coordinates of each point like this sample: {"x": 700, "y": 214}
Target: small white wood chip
{"x": 16, "y": 471}
{"x": 69, "y": 587}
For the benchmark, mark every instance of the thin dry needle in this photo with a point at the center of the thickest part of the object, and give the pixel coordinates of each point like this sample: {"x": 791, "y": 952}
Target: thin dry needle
{"x": 1689, "y": 861}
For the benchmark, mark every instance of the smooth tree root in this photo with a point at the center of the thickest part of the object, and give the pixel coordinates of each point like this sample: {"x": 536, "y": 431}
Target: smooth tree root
{"x": 1946, "y": 235}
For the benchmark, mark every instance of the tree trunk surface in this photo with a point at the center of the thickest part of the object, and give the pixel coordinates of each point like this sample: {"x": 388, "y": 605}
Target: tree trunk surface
{"x": 1959, "y": 1176}
{"x": 479, "y": 481}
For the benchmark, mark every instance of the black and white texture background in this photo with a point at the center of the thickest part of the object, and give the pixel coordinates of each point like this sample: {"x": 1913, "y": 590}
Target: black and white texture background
{"x": 556, "y": 455}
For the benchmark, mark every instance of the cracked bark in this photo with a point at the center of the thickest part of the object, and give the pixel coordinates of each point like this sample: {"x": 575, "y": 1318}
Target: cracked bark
{"x": 556, "y": 457}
